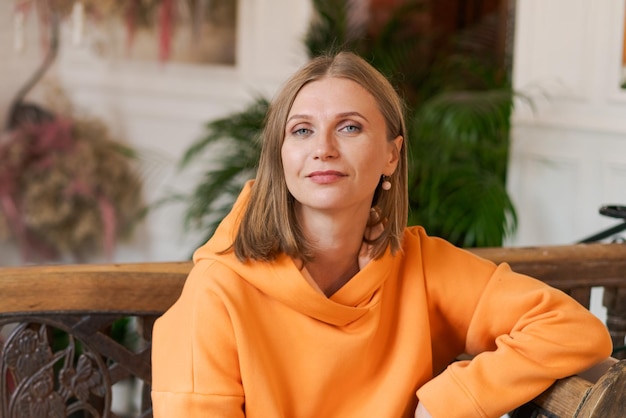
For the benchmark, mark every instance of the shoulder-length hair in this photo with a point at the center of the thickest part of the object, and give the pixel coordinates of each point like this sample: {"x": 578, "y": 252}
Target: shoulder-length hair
{"x": 269, "y": 225}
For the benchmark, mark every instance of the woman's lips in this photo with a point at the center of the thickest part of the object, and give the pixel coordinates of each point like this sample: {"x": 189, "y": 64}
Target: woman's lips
{"x": 326, "y": 177}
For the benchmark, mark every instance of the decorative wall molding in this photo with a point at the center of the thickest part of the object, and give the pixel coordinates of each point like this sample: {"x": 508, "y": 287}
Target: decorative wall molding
{"x": 551, "y": 45}
{"x": 567, "y": 154}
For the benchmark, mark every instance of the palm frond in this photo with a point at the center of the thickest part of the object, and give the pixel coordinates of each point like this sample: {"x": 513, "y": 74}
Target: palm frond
{"x": 459, "y": 151}
{"x": 458, "y": 112}
{"x": 242, "y": 127}
{"x": 471, "y": 207}
{"x": 219, "y": 185}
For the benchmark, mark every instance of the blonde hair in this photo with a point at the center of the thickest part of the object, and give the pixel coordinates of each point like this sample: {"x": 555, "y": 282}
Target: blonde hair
{"x": 269, "y": 225}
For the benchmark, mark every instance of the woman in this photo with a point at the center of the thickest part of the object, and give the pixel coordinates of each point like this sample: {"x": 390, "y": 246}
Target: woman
{"x": 313, "y": 299}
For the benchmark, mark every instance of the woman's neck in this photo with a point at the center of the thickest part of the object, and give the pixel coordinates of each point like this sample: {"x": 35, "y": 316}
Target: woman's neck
{"x": 336, "y": 247}
{"x": 330, "y": 276}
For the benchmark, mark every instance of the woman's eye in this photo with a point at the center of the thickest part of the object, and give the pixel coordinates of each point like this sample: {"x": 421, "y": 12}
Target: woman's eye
{"x": 301, "y": 131}
{"x": 352, "y": 129}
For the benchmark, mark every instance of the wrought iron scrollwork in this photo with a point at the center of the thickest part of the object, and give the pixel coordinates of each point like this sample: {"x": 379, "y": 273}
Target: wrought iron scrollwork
{"x": 43, "y": 381}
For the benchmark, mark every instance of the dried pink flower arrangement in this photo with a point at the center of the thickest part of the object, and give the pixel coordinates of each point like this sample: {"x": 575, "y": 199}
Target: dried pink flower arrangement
{"x": 66, "y": 189}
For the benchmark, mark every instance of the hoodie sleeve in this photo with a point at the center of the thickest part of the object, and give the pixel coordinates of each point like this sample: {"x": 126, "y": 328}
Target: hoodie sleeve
{"x": 195, "y": 368}
{"x": 522, "y": 333}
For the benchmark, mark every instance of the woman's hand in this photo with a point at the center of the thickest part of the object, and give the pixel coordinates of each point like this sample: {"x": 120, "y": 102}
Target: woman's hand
{"x": 421, "y": 412}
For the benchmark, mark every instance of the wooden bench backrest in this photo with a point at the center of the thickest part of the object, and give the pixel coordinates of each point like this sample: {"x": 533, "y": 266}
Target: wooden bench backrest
{"x": 63, "y": 354}
{"x": 89, "y": 303}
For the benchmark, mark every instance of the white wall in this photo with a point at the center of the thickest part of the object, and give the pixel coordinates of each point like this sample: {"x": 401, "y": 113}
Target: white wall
{"x": 569, "y": 156}
{"x": 161, "y": 108}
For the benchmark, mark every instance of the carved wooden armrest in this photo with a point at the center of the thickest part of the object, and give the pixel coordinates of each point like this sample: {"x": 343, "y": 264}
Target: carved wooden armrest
{"x": 599, "y": 392}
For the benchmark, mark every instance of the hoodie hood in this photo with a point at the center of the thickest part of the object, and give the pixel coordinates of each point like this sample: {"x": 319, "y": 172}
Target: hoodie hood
{"x": 280, "y": 279}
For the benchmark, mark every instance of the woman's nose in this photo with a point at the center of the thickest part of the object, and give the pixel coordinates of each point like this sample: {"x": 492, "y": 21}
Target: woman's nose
{"x": 326, "y": 145}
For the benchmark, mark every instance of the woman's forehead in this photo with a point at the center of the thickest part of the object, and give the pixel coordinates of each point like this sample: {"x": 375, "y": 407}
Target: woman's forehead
{"x": 332, "y": 94}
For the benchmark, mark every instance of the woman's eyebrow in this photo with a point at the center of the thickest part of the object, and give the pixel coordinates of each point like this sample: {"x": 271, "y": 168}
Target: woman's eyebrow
{"x": 348, "y": 114}
{"x": 339, "y": 115}
{"x": 292, "y": 117}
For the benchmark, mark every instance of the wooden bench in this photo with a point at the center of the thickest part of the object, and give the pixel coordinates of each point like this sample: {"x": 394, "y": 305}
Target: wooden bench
{"x": 88, "y": 303}
{"x": 63, "y": 352}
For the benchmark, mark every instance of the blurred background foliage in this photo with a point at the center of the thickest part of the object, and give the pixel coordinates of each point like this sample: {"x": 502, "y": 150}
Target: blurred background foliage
{"x": 450, "y": 65}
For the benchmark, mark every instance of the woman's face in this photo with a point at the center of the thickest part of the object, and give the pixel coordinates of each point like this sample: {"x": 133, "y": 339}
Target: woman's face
{"x": 336, "y": 147}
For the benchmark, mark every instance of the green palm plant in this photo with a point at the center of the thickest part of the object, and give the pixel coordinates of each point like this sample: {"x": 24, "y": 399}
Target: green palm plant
{"x": 457, "y": 176}
{"x": 458, "y": 109}
{"x": 237, "y": 136}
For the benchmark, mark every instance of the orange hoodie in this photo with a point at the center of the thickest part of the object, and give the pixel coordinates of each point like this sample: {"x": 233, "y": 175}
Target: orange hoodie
{"x": 257, "y": 340}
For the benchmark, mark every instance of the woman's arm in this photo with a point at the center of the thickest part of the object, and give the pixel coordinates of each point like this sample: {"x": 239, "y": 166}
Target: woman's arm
{"x": 523, "y": 335}
{"x": 195, "y": 369}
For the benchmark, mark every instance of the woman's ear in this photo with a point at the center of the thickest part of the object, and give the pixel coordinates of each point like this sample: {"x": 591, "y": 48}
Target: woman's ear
{"x": 396, "y": 145}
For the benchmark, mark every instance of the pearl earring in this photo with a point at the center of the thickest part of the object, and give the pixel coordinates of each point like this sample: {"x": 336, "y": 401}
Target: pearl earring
{"x": 386, "y": 185}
